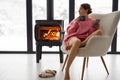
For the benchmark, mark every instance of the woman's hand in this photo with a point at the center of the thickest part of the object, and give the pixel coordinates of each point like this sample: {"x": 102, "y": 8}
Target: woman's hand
{"x": 83, "y": 43}
{"x": 68, "y": 46}
{"x": 77, "y": 20}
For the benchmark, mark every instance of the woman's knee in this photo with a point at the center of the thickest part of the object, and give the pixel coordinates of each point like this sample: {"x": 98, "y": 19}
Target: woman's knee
{"x": 76, "y": 41}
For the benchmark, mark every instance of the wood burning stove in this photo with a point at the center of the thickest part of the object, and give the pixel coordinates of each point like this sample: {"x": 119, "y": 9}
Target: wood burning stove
{"x": 48, "y": 33}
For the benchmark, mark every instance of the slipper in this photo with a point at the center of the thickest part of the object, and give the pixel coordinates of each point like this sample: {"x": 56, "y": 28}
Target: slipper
{"x": 51, "y": 71}
{"x": 47, "y": 73}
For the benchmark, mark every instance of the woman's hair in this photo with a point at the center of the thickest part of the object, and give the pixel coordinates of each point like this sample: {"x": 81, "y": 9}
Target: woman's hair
{"x": 87, "y": 6}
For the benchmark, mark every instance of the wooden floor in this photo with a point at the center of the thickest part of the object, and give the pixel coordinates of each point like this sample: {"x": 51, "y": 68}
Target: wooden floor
{"x": 24, "y": 67}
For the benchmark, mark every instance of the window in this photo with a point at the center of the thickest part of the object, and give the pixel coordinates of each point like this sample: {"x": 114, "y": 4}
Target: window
{"x": 13, "y": 25}
{"x": 61, "y": 11}
{"x": 39, "y": 13}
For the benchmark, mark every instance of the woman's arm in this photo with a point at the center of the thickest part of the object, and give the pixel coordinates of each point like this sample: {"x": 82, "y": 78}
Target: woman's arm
{"x": 72, "y": 27}
{"x": 97, "y": 32}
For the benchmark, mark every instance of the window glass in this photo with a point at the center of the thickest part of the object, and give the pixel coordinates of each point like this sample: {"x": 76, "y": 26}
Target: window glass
{"x": 61, "y": 11}
{"x": 13, "y": 25}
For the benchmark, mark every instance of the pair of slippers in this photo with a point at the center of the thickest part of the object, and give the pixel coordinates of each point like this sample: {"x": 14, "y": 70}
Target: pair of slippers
{"x": 47, "y": 73}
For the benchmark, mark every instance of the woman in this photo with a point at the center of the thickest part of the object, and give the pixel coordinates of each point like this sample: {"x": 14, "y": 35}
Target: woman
{"x": 78, "y": 33}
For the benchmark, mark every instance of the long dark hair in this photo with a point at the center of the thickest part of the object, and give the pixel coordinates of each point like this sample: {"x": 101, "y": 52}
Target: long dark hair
{"x": 87, "y": 6}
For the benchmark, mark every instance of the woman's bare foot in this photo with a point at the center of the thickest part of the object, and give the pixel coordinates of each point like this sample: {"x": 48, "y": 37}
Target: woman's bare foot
{"x": 67, "y": 77}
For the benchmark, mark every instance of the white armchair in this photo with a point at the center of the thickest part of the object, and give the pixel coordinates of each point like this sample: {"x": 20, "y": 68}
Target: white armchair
{"x": 98, "y": 45}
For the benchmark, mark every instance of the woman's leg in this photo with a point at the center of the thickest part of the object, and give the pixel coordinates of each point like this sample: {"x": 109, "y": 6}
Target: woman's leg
{"x": 75, "y": 44}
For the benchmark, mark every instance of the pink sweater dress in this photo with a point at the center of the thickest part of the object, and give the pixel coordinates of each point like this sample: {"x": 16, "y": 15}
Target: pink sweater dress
{"x": 80, "y": 30}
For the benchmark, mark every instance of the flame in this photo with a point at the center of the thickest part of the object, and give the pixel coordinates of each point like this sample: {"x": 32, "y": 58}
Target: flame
{"x": 52, "y": 35}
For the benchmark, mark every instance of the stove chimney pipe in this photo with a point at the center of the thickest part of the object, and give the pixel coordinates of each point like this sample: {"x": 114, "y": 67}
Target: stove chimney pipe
{"x": 50, "y": 9}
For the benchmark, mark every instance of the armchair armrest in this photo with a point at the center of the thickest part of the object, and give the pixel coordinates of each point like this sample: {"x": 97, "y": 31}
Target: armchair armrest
{"x": 97, "y": 45}
{"x": 99, "y": 39}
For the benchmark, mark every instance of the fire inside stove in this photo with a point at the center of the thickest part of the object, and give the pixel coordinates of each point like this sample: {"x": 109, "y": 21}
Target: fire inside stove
{"x": 49, "y": 33}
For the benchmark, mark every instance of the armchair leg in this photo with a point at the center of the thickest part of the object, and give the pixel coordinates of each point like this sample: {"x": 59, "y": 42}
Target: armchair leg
{"x": 64, "y": 62}
{"x": 104, "y": 64}
{"x": 87, "y": 62}
{"x": 83, "y": 69}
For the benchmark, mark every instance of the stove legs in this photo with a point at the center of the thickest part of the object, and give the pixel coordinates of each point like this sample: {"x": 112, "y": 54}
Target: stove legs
{"x": 61, "y": 55}
{"x": 38, "y": 53}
